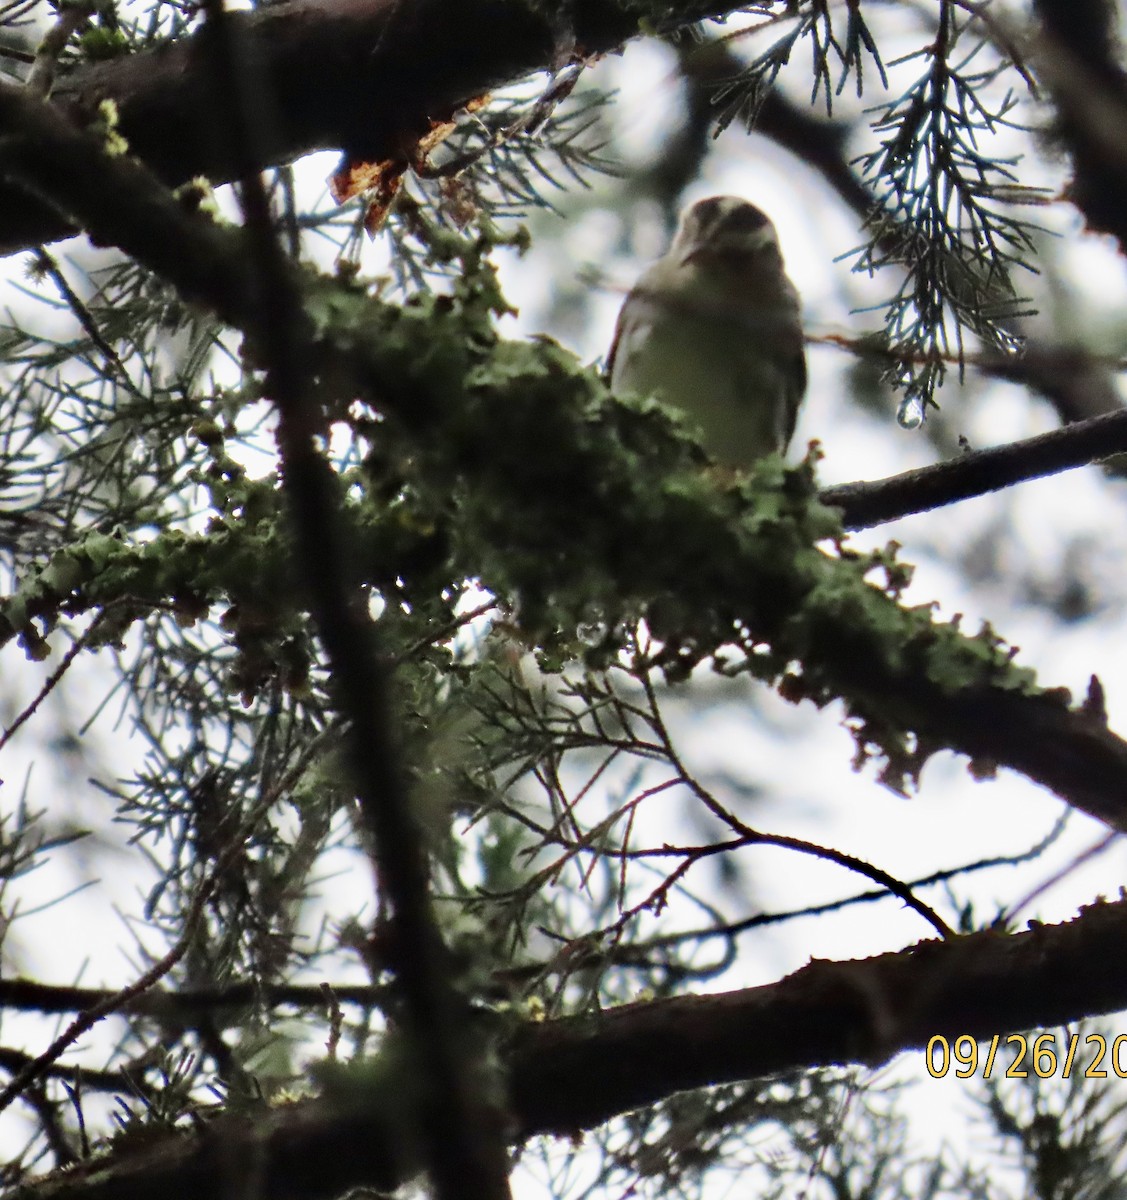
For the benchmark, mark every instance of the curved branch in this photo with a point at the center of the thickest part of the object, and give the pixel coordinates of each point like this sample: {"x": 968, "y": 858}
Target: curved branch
{"x": 979, "y": 472}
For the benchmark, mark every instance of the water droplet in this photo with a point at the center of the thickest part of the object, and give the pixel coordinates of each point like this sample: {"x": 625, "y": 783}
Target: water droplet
{"x": 910, "y": 414}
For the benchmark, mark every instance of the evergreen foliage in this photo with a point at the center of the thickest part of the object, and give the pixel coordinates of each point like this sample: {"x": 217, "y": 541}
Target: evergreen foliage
{"x": 365, "y": 588}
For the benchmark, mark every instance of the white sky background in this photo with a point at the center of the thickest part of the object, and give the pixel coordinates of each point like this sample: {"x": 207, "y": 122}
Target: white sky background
{"x": 798, "y": 757}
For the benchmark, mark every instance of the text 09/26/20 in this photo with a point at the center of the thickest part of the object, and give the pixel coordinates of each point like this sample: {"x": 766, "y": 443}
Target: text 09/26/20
{"x": 1016, "y": 1056}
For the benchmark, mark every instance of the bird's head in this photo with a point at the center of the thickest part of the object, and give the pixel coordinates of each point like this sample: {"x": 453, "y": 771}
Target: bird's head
{"x": 724, "y": 230}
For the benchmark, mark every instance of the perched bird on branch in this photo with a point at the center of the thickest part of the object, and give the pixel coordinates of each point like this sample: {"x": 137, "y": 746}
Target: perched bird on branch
{"x": 714, "y": 329}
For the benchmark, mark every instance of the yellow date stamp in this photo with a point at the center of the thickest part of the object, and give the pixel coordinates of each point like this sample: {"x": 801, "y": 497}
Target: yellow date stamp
{"x": 1016, "y": 1056}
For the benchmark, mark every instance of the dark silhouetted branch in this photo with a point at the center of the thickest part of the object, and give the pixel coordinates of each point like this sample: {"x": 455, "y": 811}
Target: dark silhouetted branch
{"x": 979, "y": 472}
{"x": 572, "y": 1075}
{"x": 367, "y": 77}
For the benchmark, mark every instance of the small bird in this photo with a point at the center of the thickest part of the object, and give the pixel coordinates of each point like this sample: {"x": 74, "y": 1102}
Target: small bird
{"x": 714, "y": 329}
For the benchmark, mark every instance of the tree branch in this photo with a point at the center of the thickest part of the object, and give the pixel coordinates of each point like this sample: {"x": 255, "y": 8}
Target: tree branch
{"x": 828, "y": 1013}
{"x": 572, "y": 1075}
{"x": 1078, "y": 60}
{"x": 979, "y": 472}
{"x": 484, "y": 409}
{"x": 450, "y": 1112}
{"x": 118, "y": 202}
{"x": 368, "y": 77}
{"x": 185, "y": 1004}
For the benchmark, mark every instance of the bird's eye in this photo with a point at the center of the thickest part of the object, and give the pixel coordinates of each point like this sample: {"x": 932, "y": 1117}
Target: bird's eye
{"x": 745, "y": 219}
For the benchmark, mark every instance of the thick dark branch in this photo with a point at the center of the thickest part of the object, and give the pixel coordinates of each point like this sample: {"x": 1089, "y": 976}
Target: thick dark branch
{"x": 453, "y": 1121}
{"x": 828, "y": 1013}
{"x": 363, "y": 76}
{"x": 979, "y": 472}
{"x": 1078, "y": 59}
{"x": 119, "y": 203}
{"x": 572, "y": 1075}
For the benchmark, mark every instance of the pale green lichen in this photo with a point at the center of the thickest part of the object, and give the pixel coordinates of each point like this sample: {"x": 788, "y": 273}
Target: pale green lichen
{"x": 107, "y": 125}
{"x": 198, "y": 195}
{"x": 583, "y": 510}
{"x": 99, "y": 43}
{"x": 512, "y": 464}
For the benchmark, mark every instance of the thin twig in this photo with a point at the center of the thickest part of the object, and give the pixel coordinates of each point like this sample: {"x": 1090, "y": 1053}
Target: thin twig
{"x": 979, "y": 472}
{"x": 751, "y": 836}
{"x": 45, "y": 263}
{"x": 88, "y": 1018}
{"x": 52, "y": 679}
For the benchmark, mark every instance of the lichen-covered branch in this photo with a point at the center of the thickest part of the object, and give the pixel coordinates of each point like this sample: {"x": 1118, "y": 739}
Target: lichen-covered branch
{"x": 573, "y": 504}
{"x": 576, "y": 507}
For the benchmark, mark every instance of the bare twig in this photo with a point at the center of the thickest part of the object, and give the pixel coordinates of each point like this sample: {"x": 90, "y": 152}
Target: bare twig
{"x": 52, "y": 680}
{"x": 115, "y": 1001}
{"x": 979, "y": 472}
{"x": 46, "y": 263}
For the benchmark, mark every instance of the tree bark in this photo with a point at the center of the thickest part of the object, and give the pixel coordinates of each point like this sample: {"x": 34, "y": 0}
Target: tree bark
{"x": 572, "y": 1075}
{"x": 367, "y": 77}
